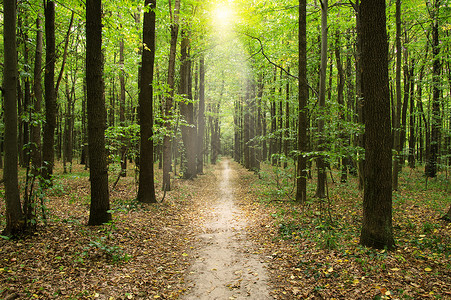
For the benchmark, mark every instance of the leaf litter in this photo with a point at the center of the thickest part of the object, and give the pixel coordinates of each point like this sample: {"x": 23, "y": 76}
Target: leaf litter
{"x": 148, "y": 251}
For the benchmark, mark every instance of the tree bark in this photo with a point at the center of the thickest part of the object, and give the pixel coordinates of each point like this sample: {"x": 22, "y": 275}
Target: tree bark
{"x": 431, "y": 164}
{"x": 360, "y": 139}
{"x": 15, "y": 223}
{"x": 377, "y": 228}
{"x": 50, "y": 92}
{"x": 260, "y": 123}
{"x": 201, "y": 117}
{"x": 412, "y": 139}
{"x": 98, "y": 171}
{"x": 287, "y": 123}
{"x": 122, "y": 107}
{"x": 169, "y": 99}
{"x": 397, "y": 114}
{"x": 320, "y": 161}
{"x": 24, "y": 154}
{"x": 187, "y": 108}
{"x": 215, "y": 131}
{"x": 273, "y": 140}
{"x": 36, "y": 159}
{"x": 146, "y": 191}
{"x": 237, "y": 140}
{"x": 301, "y": 180}
{"x": 340, "y": 99}
{"x": 246, "y": 128}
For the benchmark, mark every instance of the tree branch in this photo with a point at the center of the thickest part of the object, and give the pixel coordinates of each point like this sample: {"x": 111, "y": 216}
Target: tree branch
{"x": 267, "y": 58}
{"x": 274, "y": 64}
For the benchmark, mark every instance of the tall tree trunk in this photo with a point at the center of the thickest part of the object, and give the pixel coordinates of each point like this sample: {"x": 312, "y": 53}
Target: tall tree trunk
{"x": 280, "y": 122}
{"x": 411, "y": 157}
{"x": 423, "y": 143}
{"x": 350, "y": 103}
{"x": 68, "y": 134}
{"x": 273, "y": 140}
{"x": 37, "y": 90}
{"x": 377, "y": 230}
{"x": 287, "y": 122}
{"x": 122, "y": 106}
{"x": 201, "y": 117}
{"x": 215, "y": 131}
{"x": 252, "y": 127}
{"x": 111, "y": 113}
{"x": 187, "y": 108}
{"x": 405, "y": 105}
{"x": 24, "y": 143}
{"x": 237, "y": 140}
{"x": 320, "y": 161}
{"x": 340, "y": 99}
{"x": 98, "y": 171}
{"x": 360, "y": 139}
{"x": 66, "y": 127}
{"x": 431, "y": 164}
{"x": 168, "y": 106}
{"x": 397, "y": 116}
{"x": 50, "y": 93}
{"x": 84, "y": 130}
{"x": 301, "y": 180}
{"x": 259, "y": 121}
{"x": 246, "y": 128}
{"x": 146, "y": 191}
{"x": 15, "y": 223}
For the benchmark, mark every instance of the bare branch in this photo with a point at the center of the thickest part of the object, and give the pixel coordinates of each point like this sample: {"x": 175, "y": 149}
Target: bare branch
{"x": 267, "y": 58}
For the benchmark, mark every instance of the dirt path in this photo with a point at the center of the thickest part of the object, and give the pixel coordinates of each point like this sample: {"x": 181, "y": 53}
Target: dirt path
{"x": 224, "y": 268}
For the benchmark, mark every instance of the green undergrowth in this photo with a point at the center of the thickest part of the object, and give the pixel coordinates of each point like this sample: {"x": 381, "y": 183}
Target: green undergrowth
{"x": 321, "y": 236}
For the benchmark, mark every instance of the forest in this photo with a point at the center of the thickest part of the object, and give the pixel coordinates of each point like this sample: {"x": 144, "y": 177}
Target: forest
{"x": 225, "y": 149}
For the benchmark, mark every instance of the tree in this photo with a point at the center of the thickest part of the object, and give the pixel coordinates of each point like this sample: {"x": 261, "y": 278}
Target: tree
{"x": 397, "y": 164}
{"x": 123, "y": 149}
{"x": 15, "y": 222}
{"x": 187, "y": 107}
{"x": 169, "y": 98}
{"x": 431, "y": 163}
{"x": 377, "y": 228}
{"x": 201, "y": 117}
{"x": 146, "y": 191}
{"x": 301, "y": 181}
{"x": 320, "y": 161}
{"x": 37, "y": 89}
{"x": 50, "y": 92}
{"x": 100, "y": 204}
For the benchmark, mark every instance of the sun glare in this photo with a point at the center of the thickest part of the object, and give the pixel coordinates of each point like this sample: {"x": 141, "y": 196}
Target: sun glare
{"x": 223, "y": 15}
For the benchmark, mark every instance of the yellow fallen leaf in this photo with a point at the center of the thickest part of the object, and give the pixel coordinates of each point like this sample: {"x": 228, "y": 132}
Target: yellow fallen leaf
{"x": 428, "y": 269}
{"x": 330, "y": 270}
{"x": 184, "y": 254}
{"x": 356, "y": 281}
{"x": 394, "y": 269}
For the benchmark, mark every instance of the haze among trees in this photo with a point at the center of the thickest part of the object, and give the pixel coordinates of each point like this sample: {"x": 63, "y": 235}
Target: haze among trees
{"x": 332, "y": 106}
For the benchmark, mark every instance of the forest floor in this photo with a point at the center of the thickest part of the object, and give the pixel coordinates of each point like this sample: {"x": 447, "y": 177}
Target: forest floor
{"x": 229, "y": 234}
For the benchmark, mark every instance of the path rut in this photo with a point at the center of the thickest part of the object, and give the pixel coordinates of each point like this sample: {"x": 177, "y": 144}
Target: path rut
{"x": 224, "y": 267}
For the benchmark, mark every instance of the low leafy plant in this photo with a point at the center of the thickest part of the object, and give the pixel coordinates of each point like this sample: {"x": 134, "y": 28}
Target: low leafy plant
{"x": 111, "y": 252}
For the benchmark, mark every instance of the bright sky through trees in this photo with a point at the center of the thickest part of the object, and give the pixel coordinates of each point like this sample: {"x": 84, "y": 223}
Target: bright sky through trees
{"x": 223, "y": 16}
